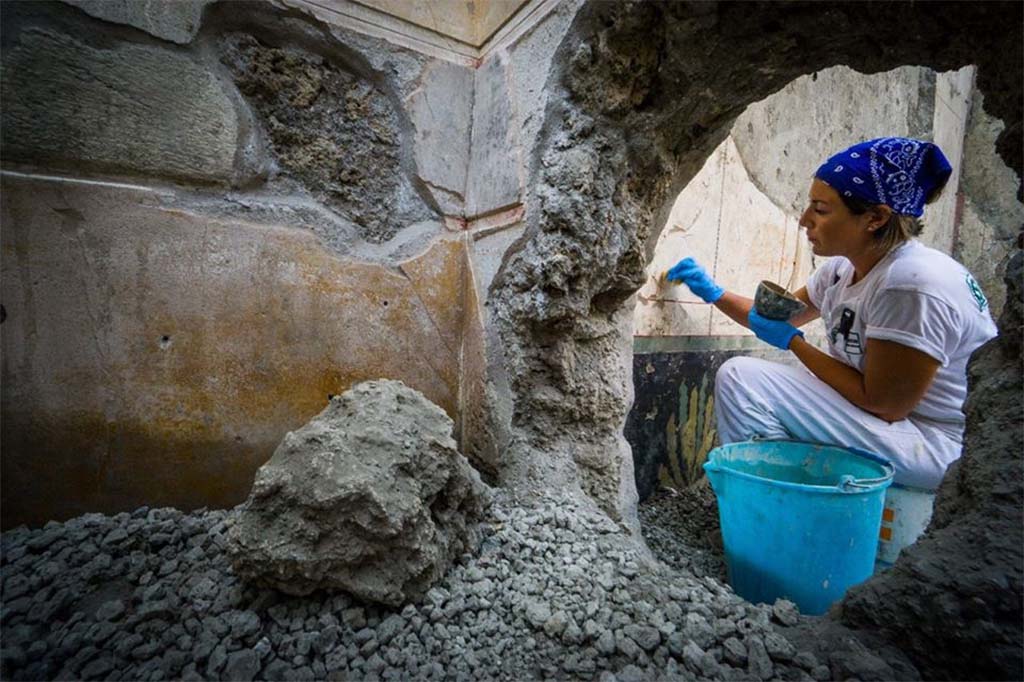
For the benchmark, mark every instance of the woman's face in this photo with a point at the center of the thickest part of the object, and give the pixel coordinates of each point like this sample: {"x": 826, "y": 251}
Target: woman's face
{"x": 831, "y": 228}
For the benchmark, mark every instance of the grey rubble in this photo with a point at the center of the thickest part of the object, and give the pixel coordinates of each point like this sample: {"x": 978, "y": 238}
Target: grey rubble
{"x": 151, "y": 595}
{"x": 371, "y": 497}
{"x": 670, "y": 515}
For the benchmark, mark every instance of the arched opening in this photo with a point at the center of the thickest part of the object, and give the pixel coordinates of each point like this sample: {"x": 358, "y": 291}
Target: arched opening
{"x": 738, "y": 216}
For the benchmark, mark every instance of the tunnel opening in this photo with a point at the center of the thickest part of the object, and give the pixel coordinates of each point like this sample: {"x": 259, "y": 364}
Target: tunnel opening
{"x": 739, "y": 218}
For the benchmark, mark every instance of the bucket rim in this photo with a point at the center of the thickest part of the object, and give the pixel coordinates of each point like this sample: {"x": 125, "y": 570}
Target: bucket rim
{"x": 847, "y": 485}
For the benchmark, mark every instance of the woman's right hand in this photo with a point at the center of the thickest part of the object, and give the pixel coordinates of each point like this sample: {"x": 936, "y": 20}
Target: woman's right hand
{"x": 690, "y": 273}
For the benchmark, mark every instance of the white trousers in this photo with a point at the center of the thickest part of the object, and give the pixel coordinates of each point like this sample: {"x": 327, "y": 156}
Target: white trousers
{"x": 755, "y": 397}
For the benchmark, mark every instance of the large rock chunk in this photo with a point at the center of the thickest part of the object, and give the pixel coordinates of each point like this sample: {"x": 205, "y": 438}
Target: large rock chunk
{"x": 371, "y": 497}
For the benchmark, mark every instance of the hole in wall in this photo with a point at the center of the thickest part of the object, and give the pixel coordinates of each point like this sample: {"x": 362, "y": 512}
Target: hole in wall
{"x": 165, "y": 342}
{"x": 739, "y": 218}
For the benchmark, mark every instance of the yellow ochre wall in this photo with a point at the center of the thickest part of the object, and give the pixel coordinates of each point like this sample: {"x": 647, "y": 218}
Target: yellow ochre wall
{"x": 155, "y": 356}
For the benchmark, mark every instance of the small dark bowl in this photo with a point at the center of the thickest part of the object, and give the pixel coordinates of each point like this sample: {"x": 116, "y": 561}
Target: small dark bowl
{"x": 775, "y": 303}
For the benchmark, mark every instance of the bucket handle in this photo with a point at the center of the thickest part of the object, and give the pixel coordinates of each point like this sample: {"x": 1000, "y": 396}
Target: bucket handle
{"x": 848, "y": 481}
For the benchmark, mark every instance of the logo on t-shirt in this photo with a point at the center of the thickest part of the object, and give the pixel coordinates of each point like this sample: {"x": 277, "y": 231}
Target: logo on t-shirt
{"x": 976, "y": 292}
{"x": 851, "y": 339}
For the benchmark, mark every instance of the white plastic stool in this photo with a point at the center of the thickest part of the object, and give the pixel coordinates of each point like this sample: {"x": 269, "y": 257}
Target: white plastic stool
{"x": 905, "y": 516}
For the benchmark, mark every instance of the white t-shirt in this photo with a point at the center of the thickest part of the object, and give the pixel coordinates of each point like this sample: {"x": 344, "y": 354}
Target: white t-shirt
{"x": 915, "y": 296}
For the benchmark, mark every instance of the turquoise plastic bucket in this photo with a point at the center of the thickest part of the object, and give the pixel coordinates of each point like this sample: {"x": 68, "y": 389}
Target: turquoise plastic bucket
{"x": 799, "y": 520}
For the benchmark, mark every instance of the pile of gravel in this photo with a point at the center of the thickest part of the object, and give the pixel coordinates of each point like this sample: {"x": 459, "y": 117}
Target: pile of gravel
{"x": 551, "y": 594}
{"x": 681, "y": 528}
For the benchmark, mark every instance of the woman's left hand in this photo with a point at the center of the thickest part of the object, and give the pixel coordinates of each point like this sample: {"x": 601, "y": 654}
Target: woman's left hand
{"x": 776, "y": 332}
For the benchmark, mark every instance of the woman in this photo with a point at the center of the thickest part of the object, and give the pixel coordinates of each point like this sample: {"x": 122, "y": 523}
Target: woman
{"x": 902, "y": 321}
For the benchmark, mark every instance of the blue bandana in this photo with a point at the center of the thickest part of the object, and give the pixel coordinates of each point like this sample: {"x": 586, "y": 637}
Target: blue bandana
{"x": 896, "y": 171}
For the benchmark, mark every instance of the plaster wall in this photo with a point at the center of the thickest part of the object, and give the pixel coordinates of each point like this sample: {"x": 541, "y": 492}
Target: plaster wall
{"x": 185, "y": 281}
{"x": 739, "y": 216}
{"x": 156, "y": 356}
{"x": 188, "y": 278}
{"x": 740, "y": 236}
{"x": 469, "y": 22}
{"x": 991, "y": 211}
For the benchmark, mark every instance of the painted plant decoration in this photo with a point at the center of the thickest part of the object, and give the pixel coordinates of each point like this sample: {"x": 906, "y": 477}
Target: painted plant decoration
{"x": 690, "y": 435}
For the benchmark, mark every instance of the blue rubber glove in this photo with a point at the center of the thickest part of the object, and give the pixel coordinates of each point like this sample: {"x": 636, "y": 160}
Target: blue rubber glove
{"x": 693, "y": 275}
{"x": 778, "y": 333}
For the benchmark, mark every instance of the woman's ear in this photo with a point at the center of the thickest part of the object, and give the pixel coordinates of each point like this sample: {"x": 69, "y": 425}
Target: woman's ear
{"x": 878, "y": 217}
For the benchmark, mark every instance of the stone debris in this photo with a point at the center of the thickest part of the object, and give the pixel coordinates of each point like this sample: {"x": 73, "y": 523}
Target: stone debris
{"x": 785, "y": 612}
{"x": 681, "y": 528}
{"x": 554, "y": 604}
{"x": 370, "y": 497}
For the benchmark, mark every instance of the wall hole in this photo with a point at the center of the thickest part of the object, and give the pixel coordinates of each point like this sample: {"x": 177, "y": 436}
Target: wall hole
{"x": 165, "y": 342}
